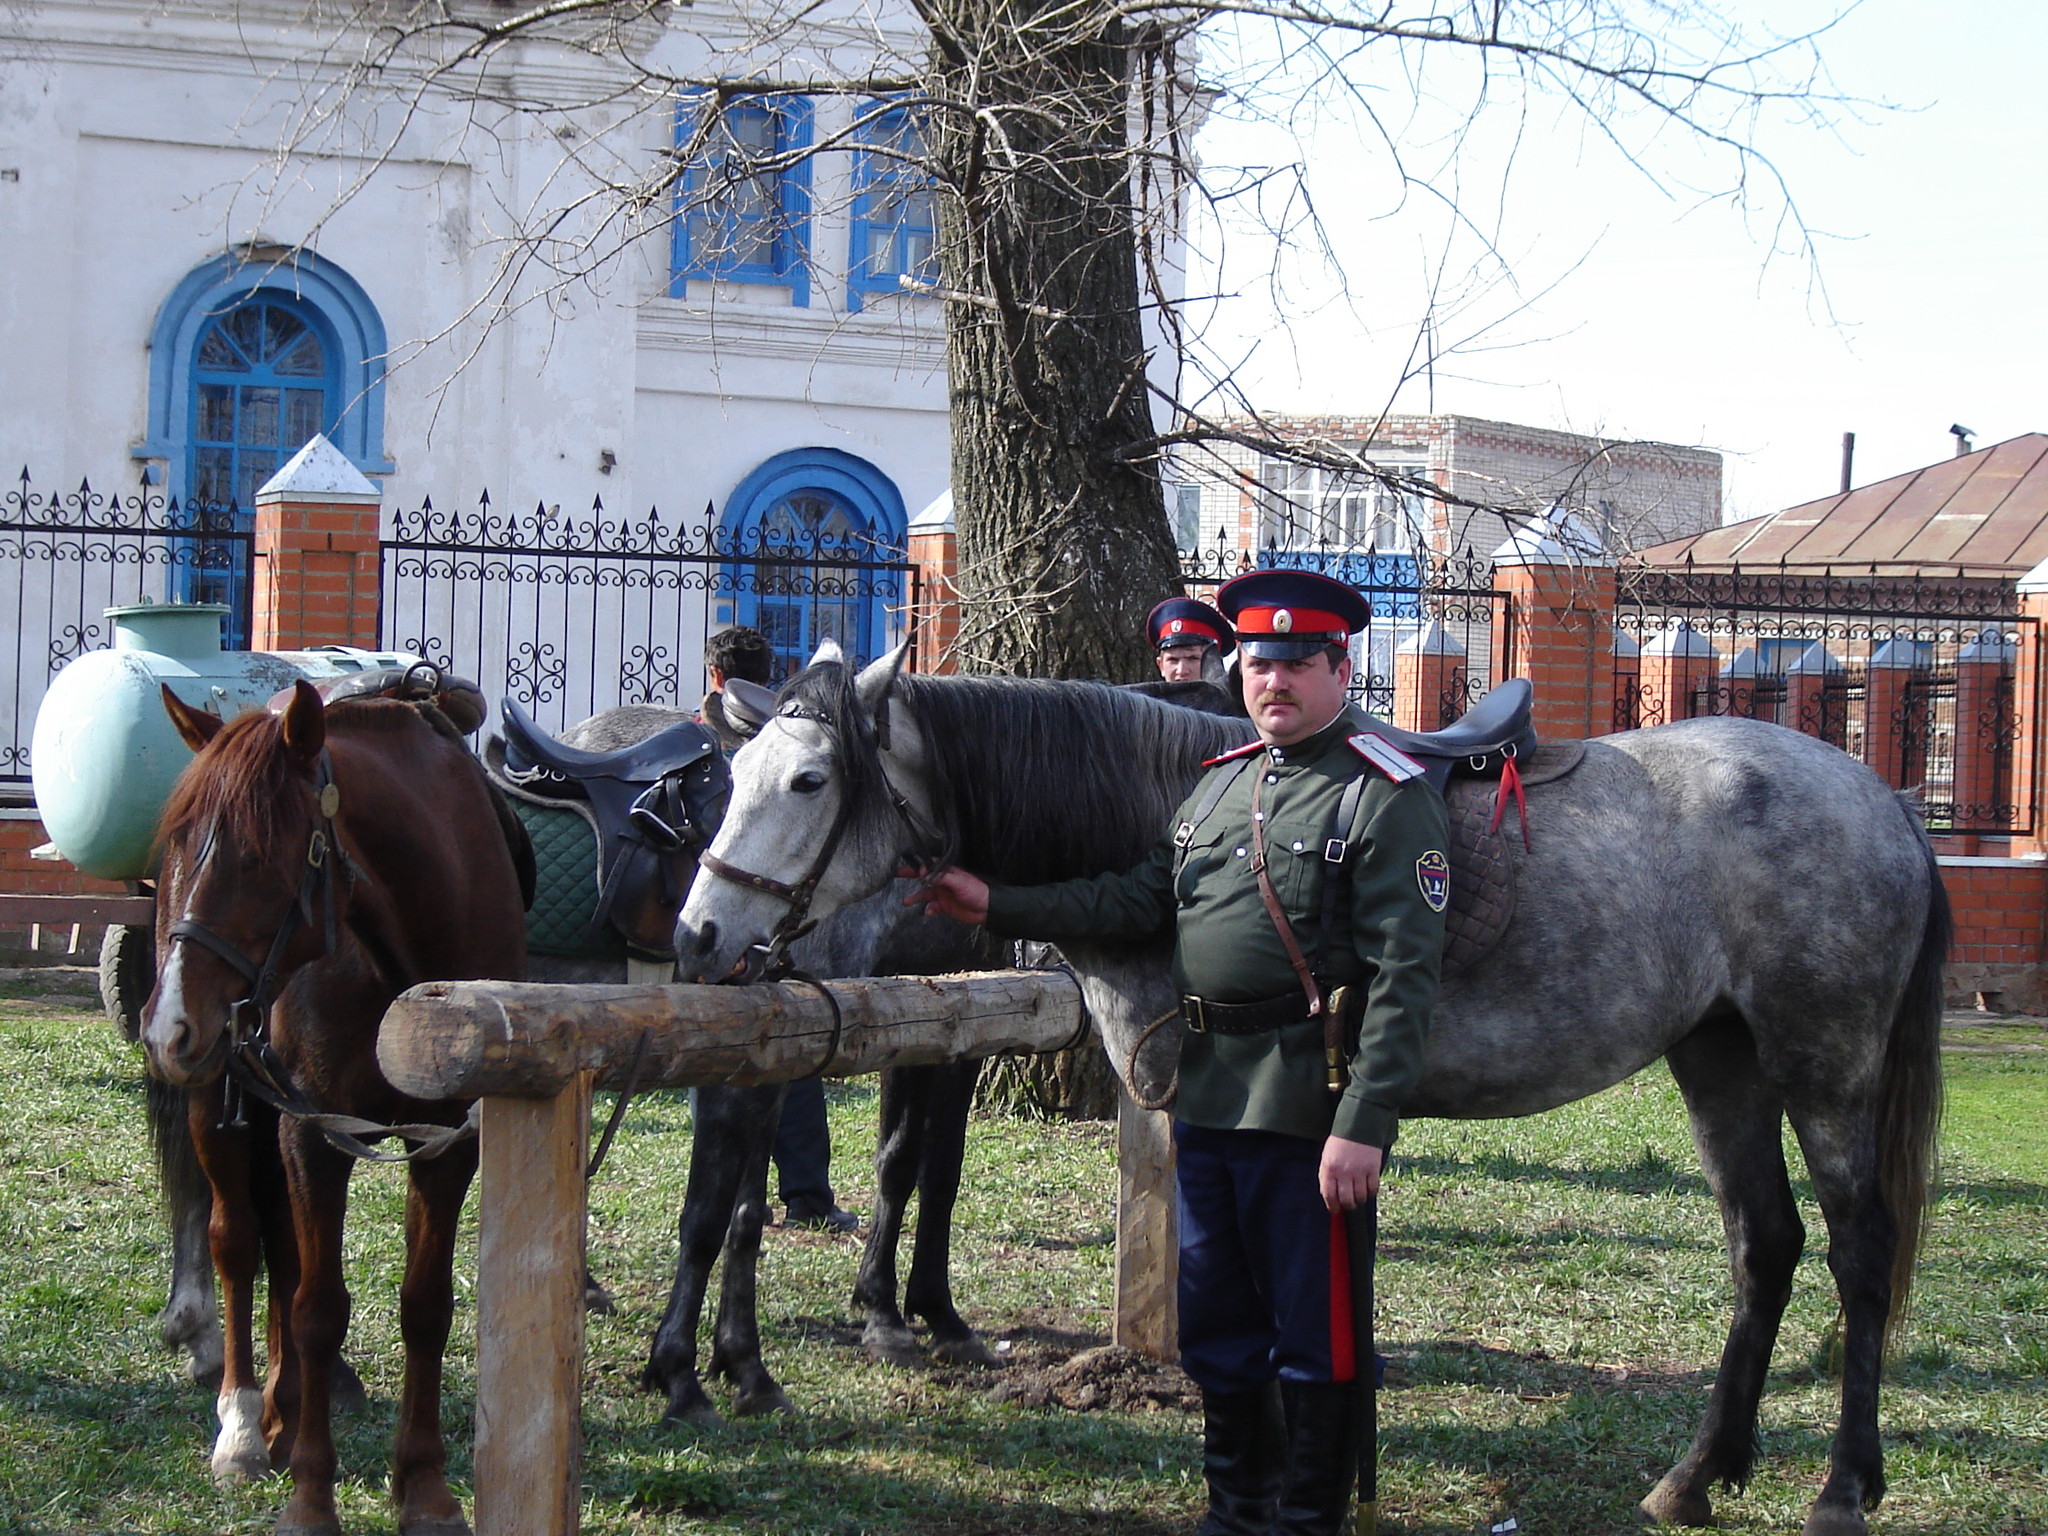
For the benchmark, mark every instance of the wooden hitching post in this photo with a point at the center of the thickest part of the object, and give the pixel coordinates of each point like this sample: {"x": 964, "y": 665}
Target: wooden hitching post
{"x": 1147, "y": 1235}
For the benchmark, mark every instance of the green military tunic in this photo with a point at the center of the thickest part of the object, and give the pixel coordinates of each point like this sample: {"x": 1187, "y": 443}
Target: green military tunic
{"x": 1386, "y": 936}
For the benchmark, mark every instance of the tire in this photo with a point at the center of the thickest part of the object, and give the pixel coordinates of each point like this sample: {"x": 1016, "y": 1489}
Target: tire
{"x": 127, "y": 974}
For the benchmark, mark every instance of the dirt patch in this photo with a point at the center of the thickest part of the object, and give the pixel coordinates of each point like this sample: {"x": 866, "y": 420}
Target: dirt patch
{"x": 1104, "y": 1377}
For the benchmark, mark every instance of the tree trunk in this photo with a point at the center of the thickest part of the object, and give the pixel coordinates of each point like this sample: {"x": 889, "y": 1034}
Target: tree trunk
{"x": 1063, "y": 540}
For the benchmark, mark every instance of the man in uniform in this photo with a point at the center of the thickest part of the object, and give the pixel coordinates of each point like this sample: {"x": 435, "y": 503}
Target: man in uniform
{"x": 1182, "y": 632}
{"x": 1306, "y": 883}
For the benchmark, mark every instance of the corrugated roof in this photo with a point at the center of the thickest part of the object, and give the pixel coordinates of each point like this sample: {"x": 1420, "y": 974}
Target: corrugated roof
{"x": 1984, "y": 514}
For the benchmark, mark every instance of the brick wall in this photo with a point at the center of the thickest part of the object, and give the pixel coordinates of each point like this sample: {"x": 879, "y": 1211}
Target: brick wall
{"x": 1999, "y": 907}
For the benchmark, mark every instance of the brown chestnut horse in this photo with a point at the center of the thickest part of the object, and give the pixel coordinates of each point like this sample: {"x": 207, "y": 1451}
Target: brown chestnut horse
{"x": 317, "y": 860}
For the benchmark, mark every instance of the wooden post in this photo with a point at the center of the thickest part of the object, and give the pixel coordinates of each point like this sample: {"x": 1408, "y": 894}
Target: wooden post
{"x": 529, "y": 1313}
{"x": 1147, "y": 1234}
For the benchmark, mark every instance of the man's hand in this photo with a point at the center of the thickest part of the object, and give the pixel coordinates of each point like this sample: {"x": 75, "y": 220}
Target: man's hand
{"x": 949, "y": 892}
{"x": 1350, "y": 1174}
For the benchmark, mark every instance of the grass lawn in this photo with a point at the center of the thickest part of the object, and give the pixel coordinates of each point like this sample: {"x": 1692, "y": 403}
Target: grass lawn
{"x": 1554, "y": 1295}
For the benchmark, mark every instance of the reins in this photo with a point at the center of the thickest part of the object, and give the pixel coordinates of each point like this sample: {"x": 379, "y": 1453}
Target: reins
{"x": 253, "y": 1065}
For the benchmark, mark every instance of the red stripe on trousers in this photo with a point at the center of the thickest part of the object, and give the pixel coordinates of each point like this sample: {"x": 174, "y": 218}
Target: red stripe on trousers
{"x": 1343, "y": 1345}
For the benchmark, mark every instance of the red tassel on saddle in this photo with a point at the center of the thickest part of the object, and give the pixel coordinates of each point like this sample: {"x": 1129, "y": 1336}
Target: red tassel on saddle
{"x": 1510, "y": 784}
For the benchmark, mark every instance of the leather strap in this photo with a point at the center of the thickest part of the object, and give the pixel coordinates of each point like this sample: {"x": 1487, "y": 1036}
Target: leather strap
{"x": 1278, "y": 913}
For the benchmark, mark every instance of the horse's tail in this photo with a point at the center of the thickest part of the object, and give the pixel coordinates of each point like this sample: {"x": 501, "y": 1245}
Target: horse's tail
{"x": 185, "y": 1187}
{"x": 1909, "y": 1090}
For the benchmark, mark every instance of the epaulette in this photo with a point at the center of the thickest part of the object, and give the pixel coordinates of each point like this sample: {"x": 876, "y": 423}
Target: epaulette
{"x": 1385, "y": 756}
{"x": 1236, "y": 752}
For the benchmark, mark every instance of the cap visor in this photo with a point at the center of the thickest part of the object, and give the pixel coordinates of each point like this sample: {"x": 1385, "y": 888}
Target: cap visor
{"x": 1294, "y": 648}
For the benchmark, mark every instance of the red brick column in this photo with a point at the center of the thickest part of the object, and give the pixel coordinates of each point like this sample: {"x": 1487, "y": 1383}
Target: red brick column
{"x": 1674, "y": 665}
{"x": 1561, "y": 632}
{"x": 2030, "y": 704}
{"x": 1885, "y": 724}
{"x": 317, "y": 560}
{"x": 1982, "y": 721}
{"x": 1429, "y": 680}
{"x": 1806, "y": 703}
{"x": 935, "y": 553}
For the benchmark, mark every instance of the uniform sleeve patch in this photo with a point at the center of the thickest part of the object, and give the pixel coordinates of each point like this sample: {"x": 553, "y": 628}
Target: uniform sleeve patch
{"x": 1385, "y": 756}
{"x": 1433, "y": 874}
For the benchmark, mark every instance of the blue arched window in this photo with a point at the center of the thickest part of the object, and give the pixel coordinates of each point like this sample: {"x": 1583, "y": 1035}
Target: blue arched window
{"x": 252, "y": 354}
{"x": 816, "y": 530}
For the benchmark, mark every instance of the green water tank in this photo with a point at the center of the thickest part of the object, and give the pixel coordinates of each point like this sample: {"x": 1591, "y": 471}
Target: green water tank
{"x": 104, "y": 754}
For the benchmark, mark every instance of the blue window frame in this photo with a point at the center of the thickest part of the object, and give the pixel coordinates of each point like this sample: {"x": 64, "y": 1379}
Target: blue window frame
{"x": 743, "y": 205}
{"x": 895, "y": 225}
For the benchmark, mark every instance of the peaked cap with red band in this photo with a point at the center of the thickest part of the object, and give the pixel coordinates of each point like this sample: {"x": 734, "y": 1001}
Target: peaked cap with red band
{"x": 1286, "y": 615}
{"x": 1184, "y": 621}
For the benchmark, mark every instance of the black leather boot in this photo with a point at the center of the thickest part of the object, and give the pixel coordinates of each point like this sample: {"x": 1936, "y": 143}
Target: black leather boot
{"x": 1321, "y": 1475}
{"x": 1243, "y": 1440}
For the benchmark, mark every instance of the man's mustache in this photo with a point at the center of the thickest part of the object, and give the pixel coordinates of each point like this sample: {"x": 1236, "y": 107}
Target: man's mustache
{"x": 1273, "y": 697}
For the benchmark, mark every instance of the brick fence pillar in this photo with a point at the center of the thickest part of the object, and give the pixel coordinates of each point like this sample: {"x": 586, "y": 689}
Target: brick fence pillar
{"x": 1983, "y": 740}
{"x": 317, "y": 560}
{"x": 1887, "y": 724}
{"x": 1429, "y": 680}
{"x": 1560, "y": 588}
{"x": 1808, "y": 706}
{"x": 935, "y": 551}
{"x": 2030, "y": 709}
{"x": 1675, "y": 665}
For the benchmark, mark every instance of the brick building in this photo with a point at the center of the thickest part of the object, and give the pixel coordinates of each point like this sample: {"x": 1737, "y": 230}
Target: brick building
{"x": 1634, "y": 493}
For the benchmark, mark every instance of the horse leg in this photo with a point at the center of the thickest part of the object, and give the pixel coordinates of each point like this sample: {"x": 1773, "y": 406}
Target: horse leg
{"x": 426, "y": 1307}
{"x": 1736, "y": 1114}
{"x": 235, "y": 1241}
{"x": 709, "y": 1199}
{"x": 899, "y": 1148}
{"x": 190, "y": 1319}
{"x": 736, "y": 1333}
{"x": 948, "y": 1095}
{"x": 317, "y": 1176}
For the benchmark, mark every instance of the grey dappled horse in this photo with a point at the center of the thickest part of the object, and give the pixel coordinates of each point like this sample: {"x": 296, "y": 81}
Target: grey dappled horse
{"x": 1746, "y": 902}
{"x": 920, "y": 1144}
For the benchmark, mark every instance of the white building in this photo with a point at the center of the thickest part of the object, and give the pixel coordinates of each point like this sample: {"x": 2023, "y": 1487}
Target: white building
{"x": 184, "y": 301}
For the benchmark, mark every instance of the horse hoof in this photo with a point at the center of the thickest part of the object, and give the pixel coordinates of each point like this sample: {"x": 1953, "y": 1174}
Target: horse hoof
{"x": 754, "y": 1403}
{"x": 968, "y": 1350}
{"x": 345, "y": 1388}
{"x": 435, "y": 1525}
{"x": 232, "y": 1469}
{"x": 891, "y": 1344}
{"x": 697, "y": 1416}
{"x": 288, "y": 1525}
{"x": 597, "y": 1301}
{"x": 1672, "y": 1503}
{"x": 206, "y": 1367}
{"x": 1833, "y": 1520}
{"x": 239, "y": 1454}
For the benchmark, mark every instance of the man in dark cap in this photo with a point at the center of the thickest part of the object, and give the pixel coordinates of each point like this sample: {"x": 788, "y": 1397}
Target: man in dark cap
{"x": 1306, "y": 881}
{"x": 1183, "y": 631}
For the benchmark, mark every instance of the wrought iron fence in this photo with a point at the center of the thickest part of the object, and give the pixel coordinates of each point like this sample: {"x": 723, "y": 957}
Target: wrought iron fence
{"x": 68, "y": 556}
{"x": 1439, "y": 611}
{"x": 1914, "y": 675}
{"x": 572, "y": 615}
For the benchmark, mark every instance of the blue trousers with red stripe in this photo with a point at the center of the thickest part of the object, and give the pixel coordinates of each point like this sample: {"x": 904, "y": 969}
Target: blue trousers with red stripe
{"x": 1265, "y": 1277}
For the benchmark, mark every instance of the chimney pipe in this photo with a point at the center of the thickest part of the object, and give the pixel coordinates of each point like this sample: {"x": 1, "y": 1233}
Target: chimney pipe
{"x": 1848, "y": 460}
{"x": 1962, "y": 435}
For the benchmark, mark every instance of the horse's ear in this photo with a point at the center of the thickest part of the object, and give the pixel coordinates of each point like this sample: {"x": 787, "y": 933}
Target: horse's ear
{"x": 1213, "y": 670}
{"x": 305, "y": 723}
{"x": 828, "y": 650}
{"x": 876, "y": 679}
{"x": 748, "y": 706}
{"x": 195, "y": 726}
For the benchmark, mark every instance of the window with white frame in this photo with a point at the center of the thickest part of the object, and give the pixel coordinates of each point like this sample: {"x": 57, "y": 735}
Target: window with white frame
{"x": 743, "y": 203}
{"x": 1306, "y": 506}
{"x": 895, "y": 225}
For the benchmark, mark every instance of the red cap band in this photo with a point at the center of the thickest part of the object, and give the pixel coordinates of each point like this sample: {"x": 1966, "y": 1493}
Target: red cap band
{"x": 1299, "y": 621}
{"x": 1186, "y": 632}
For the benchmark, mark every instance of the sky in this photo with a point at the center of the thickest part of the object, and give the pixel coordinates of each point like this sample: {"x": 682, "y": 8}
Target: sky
{"x": 1647, "y": 308}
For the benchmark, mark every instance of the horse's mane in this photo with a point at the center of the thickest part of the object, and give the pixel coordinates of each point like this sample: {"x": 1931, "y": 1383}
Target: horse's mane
{"x": 245, "y": 787}
{"x": 1035, "y": 780}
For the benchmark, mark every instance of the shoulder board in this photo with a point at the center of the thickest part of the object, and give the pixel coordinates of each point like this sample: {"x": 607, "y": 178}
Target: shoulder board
{"x": 1237, "y": 752}
{"x": 1385, "y": 756}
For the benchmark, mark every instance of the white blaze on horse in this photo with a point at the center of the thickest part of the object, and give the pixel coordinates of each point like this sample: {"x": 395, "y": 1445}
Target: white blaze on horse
{"x": 1747, "y": 903}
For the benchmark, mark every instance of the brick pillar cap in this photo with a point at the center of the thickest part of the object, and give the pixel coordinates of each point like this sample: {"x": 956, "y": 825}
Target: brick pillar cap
{"x": 1680, "y": 640}
{"x": 1556, "y": 538}
{"x": 1987, "y": 645}
{"x": 1432, "y": 640}
{"x": 2035, "y": 580}
{"x": 1816, "y": 658}
{"x": 937, "y": 517}
{"x": 319, "y": 472}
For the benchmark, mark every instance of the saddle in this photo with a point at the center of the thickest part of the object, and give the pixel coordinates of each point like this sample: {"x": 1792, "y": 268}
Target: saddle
{"x": 1481, "y": 743}
{"x": 636, "y": 817}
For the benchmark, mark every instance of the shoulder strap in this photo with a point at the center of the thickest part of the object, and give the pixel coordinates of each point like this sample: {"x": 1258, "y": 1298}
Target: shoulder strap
{"x": 1344, "y": 831}
{"x": 1212, "y": 791}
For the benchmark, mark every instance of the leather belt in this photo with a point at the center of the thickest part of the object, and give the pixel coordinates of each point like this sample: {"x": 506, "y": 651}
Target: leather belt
{"x": 1207, "y": 1018}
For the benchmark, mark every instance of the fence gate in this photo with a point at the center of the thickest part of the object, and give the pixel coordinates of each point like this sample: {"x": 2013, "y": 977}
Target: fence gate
{"x": 570, "y": 615}
{"x": 68, "y": 556}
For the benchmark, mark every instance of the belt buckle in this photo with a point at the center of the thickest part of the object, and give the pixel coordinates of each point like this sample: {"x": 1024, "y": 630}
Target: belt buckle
{"x": 1192, "y": 1011}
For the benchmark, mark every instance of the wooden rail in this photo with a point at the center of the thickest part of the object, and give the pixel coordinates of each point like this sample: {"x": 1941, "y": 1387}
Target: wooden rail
{"x": 532, "y": 1054}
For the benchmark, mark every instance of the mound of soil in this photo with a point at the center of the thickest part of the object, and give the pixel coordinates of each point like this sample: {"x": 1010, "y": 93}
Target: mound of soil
{"x": 1105, "y": 1377}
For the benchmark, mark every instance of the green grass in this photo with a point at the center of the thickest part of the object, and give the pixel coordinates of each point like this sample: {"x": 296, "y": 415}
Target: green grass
{"x": 1554, "y": 1295}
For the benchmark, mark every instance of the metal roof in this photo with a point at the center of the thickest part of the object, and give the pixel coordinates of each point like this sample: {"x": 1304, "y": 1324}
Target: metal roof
{"x": 1983, "y": 514}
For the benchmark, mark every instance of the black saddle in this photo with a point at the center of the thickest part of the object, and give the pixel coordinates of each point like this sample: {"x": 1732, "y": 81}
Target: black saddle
{"x": 653, "y": 805}
{"x": 1495, "y": 729}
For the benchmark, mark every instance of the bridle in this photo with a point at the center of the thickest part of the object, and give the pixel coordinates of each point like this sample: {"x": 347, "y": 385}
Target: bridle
{"x": 925, "y": 840}
{"x": 252, "y": 1063}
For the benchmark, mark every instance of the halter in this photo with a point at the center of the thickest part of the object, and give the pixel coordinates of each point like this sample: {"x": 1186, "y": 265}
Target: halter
{"x": 925, "y": 842}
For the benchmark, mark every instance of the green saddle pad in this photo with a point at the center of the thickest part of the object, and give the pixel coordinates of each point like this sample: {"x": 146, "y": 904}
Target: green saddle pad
{"x": 565, "y": 894}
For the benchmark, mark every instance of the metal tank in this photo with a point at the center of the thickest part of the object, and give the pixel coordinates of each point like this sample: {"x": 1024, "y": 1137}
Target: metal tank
{"x": 105, "y": 754}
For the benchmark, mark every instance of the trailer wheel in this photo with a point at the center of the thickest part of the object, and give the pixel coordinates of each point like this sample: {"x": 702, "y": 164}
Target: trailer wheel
{"x": 127, "y": 973}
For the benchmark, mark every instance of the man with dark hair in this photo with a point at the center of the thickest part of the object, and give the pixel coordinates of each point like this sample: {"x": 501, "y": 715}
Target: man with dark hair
{"x": 1305, "y": 886}
{"x": 1183, "y": 630}
{"x": 803, "y": 1139}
